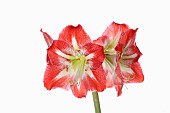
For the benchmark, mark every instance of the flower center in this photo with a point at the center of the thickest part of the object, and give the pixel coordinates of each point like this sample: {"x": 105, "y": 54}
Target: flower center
{"x": 110, "y": 53}
{"x": 78, "y": 67}
{"x": 76, "y": 64}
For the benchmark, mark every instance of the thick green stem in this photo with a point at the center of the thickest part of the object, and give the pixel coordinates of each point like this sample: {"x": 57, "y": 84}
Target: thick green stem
{"x": 96, "y": 102}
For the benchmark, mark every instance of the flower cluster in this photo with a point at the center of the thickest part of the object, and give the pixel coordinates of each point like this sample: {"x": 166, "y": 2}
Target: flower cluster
{"x": 76, "y": 62}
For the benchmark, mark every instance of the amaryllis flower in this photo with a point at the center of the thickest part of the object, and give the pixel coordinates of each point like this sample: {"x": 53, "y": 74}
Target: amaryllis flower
{"x": 74, "y": 62}
{"x": 121, "y": 56}
{"x": 129, "y": 55}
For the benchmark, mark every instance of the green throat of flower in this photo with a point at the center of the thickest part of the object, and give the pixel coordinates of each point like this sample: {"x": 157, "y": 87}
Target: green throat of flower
{"x": 110, "y": 55}
{"x": 76, "y": 64}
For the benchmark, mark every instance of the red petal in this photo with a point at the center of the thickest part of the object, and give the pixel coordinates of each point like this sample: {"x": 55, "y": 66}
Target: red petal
{"x": 110, "y": 80}
{"x": 138, "y": 74}
{"x": 62, "y": 46}
{"x": 110, "y": 33}
{"x": 97, "y": 52}
{"x": 114, "y": 77}
{"x": 79, "y": 91}
{"x": 119, "y": 79}
{"x": 56, "y": 59}
{"x": 127, "y": 47}
{"x": 119, "y": 89}
{"x": 51, "y": 81}
{"x": 50, "y": 73}
{"x": 114, "y": 28}
{"x": 113, "y": 80}
{"x": 100, "y": 40}
{"x": 101, "y": 78}
{"x": 128, "y": 38}
{"x": 129, "y": 55}
{"x": 133, "y": 50}
{"x": 88, "y": 83}
{"x": 78, "y": 32}
{"x": 63, "y": 82}
{"x": 47, "y": 38}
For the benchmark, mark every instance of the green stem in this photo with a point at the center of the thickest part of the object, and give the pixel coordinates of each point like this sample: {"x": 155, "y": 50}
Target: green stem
{"x": 96, "y": 102}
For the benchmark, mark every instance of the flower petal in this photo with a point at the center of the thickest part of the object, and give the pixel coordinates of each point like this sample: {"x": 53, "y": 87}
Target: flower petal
{"x": 130, "y": 59}
{"x": 132, "y": 74}
{"x": 52, "y": 81}
{"x": 137, "y": 76}
{"x": 47, "y": 38}
{"x": 94, "y": 81}
{"x": 59, "y": 52}
{"x": 112, "y": 34}
{"x": 127, "y": 48}
{"x": 127, "y": 39}
{"x": 96, "y": 54}
{"x": 62, "y": 46}
{"x": 100, "y": 40}
{"x": 56, "y": 59}
{"x": 79, "y": 91}
{"x": 119, "y": 89}
{"x": 99, "y": 79}
{"x": 129, "y": 55}
{"x": 70, "y": 34}
{"x": 114, "y": 28}
{"x": 114, "y": 79}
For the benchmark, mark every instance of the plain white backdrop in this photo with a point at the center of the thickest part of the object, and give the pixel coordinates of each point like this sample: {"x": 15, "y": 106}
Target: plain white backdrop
{"x": 23, "y": 54}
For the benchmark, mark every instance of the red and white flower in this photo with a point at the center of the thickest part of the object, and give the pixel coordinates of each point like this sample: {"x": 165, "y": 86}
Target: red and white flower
{"x": 129, "y": 55}
{"x": 74, "y": 62}
{"x": 121, "y": 56}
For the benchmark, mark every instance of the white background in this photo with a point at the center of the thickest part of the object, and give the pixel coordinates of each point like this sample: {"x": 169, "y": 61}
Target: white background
{"x": 23, "y": 54}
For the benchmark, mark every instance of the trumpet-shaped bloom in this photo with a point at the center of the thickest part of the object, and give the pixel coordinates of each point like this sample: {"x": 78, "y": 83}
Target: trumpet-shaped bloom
{"x": 74, "y": 62}
{"x": 128, "y": 58}
{"x": 121, "y": 56}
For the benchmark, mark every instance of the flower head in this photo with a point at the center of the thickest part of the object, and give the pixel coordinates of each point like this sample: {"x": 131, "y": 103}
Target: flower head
{"x": 121, "y": 56}
{"x": 128, "y": 58}
{"x": 74, "y": 62}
